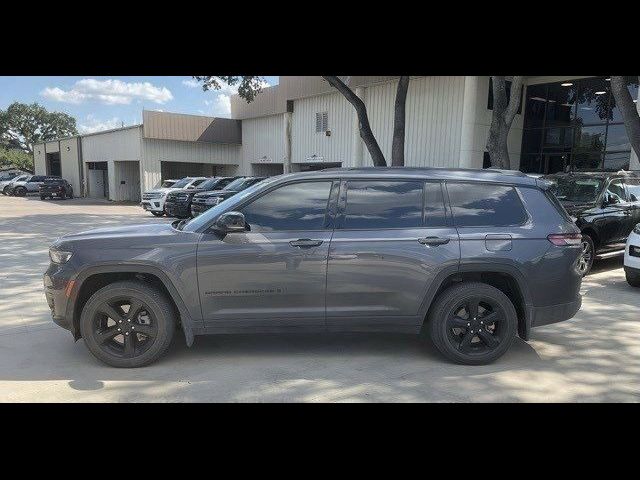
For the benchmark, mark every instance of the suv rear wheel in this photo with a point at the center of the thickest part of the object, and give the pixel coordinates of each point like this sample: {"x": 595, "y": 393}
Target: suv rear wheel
{"x": 472, "y": 323}
{"x": 128, "y": 324}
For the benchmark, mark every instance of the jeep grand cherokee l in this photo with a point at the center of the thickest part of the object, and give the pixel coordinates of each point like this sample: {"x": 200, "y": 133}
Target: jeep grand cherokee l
{"x": 604, "y": 205}
{"x": 470, "y": 258}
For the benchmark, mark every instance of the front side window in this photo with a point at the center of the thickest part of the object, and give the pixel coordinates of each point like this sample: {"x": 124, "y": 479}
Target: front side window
{"x": 383, "y": 204}
{"x": 616, "y": 192}
{"x": 476, "y": 205}
{"x": 298, "y": 206}
{"x": 633, "y": 188}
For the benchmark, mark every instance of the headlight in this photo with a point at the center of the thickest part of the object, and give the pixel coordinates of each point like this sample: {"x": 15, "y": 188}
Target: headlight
{"x": 213, "y": 201}
{"x": 59, "y": 256}
{"x": 637, "y": 229}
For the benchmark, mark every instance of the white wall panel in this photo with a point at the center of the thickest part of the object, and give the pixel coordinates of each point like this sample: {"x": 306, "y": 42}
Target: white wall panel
{"x": 70, "y": 164}
{"x": 129, "y": 173}
{"x": 115, "y": 145}
{"x": 262, "y": 137}
{"x": 433, "y": 120}
{"x": 305, "y": 142}
{"x": 39, "y": 162}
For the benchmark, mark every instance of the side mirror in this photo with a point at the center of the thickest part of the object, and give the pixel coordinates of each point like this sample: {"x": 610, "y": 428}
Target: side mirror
{"x": 230, "y": 222}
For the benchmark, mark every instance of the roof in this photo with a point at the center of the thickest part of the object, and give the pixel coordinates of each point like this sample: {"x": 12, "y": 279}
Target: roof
{"x": 598, "y": 174}
{"x": 514, "y": 177}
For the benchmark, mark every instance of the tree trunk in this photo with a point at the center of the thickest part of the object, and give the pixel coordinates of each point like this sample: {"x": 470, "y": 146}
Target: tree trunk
{"x": 363, "y": 120}
{"x": 397, "y": 147}
{"x": 629, "y": 111}
{"x": 504, "y": 111}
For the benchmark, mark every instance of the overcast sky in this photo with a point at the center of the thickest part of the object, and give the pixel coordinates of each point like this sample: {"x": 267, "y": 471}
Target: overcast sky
{"x": 101, "y": 103}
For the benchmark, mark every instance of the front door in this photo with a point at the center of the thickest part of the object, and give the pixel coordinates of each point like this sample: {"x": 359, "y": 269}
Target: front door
{"x": 274, "y": 274}
{"x": 392, "y": 238}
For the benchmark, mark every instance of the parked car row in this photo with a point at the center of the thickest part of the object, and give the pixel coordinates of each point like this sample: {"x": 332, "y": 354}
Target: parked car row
{"x": 191, "y": 196}
{"x": 45, "y": 186}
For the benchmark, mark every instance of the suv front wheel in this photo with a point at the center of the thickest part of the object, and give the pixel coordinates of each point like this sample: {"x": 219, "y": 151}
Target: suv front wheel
{"x": 472, "y": 323}
{"x": 128, "y": 324}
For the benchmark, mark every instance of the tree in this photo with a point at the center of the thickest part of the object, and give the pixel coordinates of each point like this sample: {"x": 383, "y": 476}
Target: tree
{"x": 16, "y": 158}
{"x": 628, "y": 109}
{"x": 249, "y": 87}
{"x": 24, "y": 125}
{"x": 504, "y": 111}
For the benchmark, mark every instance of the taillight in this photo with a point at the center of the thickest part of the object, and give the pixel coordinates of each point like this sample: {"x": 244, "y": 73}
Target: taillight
{"x": 565, "y": 239}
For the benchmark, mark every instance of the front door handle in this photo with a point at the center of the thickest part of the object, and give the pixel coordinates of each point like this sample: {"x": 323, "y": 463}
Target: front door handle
{"x": 433, "y": 241}
{"x": 305, "y": 243}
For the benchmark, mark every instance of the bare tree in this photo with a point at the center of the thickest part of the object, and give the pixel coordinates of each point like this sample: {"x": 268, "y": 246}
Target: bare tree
{"x": 628, "y": 109}
{"x": 397, "y": 147}
{"x": 504, "y": 111}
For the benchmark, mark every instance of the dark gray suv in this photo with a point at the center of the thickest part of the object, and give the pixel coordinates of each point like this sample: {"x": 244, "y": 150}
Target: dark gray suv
{"x": 469, "y": 258}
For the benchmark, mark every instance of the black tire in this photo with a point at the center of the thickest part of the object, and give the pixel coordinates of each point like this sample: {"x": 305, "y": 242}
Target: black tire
{"x": 157, "y": 214}
{"x": 20, "y": 192}
{"x": 588, "y": 254}
{"x": 100, "y": 330}
{"x": 42, "y": 197}
{"x": 63, "y": 196}
{"x": 5, "y": 190}
{"x": 467, "y": 339}
{"x": 633, "y": 279}
{"x": 70, "y": 196}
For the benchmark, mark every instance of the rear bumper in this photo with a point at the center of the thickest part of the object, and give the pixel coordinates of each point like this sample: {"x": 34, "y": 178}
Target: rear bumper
{"x": 540, "y": 316}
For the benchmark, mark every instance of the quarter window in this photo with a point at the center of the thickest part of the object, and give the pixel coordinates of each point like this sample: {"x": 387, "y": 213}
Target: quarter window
{"x": 298, "y": 206}
{"x": 476, "y": 205}
{"x": 383, "y": 204}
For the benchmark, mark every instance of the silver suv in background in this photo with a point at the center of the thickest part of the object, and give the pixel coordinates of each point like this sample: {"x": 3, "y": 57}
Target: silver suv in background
{"x": 469, "y": 258}
{"x": 30, "y": 184}
{"x": 153, "y": 200}
{"x": 5, "y": 185}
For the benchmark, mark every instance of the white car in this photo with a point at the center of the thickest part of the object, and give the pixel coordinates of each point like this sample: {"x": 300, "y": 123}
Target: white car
{"x": 632, "y": 258}
{"x": 4, "y": 184}
{"x": 153, "y": 200}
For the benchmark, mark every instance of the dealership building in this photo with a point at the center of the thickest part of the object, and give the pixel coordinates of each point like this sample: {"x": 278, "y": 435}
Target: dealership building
{"x": 304, "y": 124}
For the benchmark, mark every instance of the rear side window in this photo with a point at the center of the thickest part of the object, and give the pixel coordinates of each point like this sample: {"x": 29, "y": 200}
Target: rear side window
{"x": 479, "y": 205}
{"x": 383, "y": 204}
{"x": 633, "y": 187}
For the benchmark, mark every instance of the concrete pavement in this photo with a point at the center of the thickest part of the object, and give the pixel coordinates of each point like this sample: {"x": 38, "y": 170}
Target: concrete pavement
{"x": 593, "y": 357}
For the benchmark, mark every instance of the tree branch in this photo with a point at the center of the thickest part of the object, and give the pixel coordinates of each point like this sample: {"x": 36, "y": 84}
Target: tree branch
{"x": 363, "y": 120}
{"x": 397, "y": 146}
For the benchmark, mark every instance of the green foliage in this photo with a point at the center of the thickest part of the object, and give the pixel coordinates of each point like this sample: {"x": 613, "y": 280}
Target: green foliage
{"x": 16, "y": 158}
{"x": 248, "y": 87}
{"x": 23, "y": 125}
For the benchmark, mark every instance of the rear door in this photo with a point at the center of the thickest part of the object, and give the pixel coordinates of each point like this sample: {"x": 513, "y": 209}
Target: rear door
{"x": 392, "y": 238}
{"x": 616, "y": 216}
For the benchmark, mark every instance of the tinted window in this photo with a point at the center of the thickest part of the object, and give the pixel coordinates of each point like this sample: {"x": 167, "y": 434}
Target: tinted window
{"x": 182, "y": 183}
{"x": 380, "y": 204}
{"x": 434, "y": 215}
{"x": 477, "y": 205}
{"x": 196, "y": 183}
{"x": 299, "y": 206}
{"x": 616, "y": 191}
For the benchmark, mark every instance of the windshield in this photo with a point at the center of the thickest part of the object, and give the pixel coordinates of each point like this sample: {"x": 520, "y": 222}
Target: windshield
{"x": 241, "y": 184}
{"x": 54, "y": 181}
{"x": 585, "y": 189}
{"x": 209, "y": 184}
{"x": 201, "y": 220}
{"x": 167, "y": 183}
{"x": 182, "y": 183}
{"x": 21, "y": 178}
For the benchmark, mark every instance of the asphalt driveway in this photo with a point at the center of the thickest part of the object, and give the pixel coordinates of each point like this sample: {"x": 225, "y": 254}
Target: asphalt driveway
{"x": 593, "y": 357}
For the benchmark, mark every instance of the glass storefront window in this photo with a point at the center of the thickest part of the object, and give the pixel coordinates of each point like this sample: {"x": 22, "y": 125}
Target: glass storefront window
{"x": 617, "y": 160}
{"x": 593, "y": 101}
{"x": 574, "y": 124}
{"x": 535, "y": 106}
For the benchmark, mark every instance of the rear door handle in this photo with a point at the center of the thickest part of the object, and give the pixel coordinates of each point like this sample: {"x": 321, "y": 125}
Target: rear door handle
{"x": 433, "y": 241}
{"x": 305, "y": 243}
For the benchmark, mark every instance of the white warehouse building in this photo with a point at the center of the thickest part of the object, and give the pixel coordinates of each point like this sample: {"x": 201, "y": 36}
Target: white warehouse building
{"x": 304, "y": 124}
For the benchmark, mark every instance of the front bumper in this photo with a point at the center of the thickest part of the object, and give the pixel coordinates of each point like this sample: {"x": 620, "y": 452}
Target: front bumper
{"x": 58, "y": 289}
{"x": 549, "y": 314}
{"x": 153, "y": 205}
{"x": 198, "y": 208}
{"x": 631, "y": 258}
{"x": 177, "y": 209}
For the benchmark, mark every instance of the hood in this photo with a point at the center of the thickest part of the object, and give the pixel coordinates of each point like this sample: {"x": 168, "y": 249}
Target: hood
{"x": 145, "y": 230}
{"x": 163, "y": 190}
